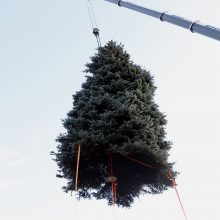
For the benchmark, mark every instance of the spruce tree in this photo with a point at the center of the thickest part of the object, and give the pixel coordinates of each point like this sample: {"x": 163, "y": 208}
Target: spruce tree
{"x": 115, "y": 114}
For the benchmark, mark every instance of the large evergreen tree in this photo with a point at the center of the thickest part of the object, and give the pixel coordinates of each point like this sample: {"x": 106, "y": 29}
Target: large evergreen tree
{"x": 115, "y": 114}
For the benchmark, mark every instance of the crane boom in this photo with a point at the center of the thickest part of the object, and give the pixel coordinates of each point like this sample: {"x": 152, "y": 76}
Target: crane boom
{"x": 193, "y": 26}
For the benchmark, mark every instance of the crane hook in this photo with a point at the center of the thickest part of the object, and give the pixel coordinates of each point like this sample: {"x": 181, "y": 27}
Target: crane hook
{"x": 96, "y": 33}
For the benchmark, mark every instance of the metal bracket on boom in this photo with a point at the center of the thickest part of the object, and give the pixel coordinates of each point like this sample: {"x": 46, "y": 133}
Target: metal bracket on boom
{"x": 162, "y": 14}
{"x": 191, "y": 25}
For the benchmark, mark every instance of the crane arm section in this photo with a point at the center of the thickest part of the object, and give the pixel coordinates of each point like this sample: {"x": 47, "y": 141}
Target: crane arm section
{"x": 193, "y": 26}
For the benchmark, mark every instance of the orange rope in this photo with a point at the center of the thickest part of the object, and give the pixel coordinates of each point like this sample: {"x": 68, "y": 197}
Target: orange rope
{"x": 172, "y": 179}
{"x": 77, "y": 168}
{"x": 174, "y": 185}
{"x": 137, "y": 161}
{"x": 113, "y": 183}
{"x": 115, "y": 192}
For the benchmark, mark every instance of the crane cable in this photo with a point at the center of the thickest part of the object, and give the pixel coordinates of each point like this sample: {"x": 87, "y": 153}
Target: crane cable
{"x": 93, "y": 22}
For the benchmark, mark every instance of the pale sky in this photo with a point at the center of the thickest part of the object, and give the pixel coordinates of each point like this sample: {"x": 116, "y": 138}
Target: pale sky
{"x": 44, "y": 46}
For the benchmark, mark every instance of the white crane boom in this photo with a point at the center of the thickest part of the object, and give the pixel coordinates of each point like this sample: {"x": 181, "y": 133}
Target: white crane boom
{"x": 193, "y": 26}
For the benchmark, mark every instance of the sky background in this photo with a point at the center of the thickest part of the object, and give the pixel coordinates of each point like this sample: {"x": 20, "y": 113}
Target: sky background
{"x": 44, "y": 46}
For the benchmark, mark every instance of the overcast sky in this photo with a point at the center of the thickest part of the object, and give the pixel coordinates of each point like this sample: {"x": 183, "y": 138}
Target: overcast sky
{"x": 44, "y": 46}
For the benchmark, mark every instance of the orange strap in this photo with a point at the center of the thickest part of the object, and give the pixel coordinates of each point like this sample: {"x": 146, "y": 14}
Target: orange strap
{"x": 113, "y": 183}
{"x": 170, "y": 175}
{"x": 137, "y": 161}
{"x": 77, "y": 168}
{"x": 178, "y": 196}
{"x": 115, "y": 197}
